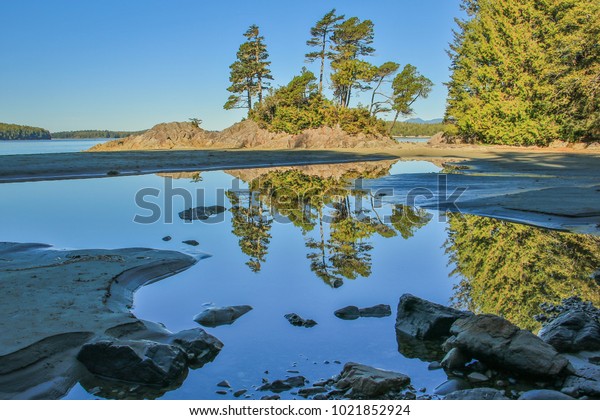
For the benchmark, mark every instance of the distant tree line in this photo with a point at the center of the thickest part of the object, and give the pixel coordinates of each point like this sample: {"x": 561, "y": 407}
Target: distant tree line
{"x": 94, "y": 134}
{"x": 408, "y": 129}
{"x": 22, "y": 132}
{"x": 526, "y": 72}
{"x": 340, "y": 46}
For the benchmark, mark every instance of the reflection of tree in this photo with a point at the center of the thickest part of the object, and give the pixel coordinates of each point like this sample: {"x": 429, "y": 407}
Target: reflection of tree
{"x": 407, "y": 220}
{"x": 251, "y": 224}
{"x": 508, "y": 269}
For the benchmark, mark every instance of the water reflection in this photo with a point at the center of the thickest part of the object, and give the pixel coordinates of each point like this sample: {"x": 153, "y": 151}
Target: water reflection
{"x": 509, "y": 269}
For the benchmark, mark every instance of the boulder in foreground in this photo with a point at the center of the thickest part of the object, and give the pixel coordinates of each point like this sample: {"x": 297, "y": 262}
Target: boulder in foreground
{"x": 367, "y": 382}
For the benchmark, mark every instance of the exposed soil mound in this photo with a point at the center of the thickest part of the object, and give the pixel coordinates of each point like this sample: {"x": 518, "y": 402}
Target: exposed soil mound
{"x": 246, "y": 134}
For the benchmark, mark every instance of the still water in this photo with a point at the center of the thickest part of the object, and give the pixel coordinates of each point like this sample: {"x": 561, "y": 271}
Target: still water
{"x": 25, "y": 147}
{"x": 333, "y": 248}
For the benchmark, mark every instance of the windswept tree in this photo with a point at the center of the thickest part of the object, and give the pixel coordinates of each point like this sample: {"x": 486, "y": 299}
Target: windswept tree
{"x": 250, "y": 72}
{"x": 352, "y": 40}
{"x": 321, "y": 40}
{"x": 408, "y": 86}
{"x": 382, "y": 75}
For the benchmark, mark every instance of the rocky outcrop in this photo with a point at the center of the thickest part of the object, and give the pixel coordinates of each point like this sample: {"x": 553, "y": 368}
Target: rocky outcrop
{"x": 246, "y": 134}
{"x": 353, "y": 312}
{"x": 500, "y": 344}
{"x": 214, "y": 317}
{"x": 365, "y": 382}
{"x": 425, "y": 320}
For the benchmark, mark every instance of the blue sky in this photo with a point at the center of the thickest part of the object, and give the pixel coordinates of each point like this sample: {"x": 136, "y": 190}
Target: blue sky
{"x": 127, "y": 65}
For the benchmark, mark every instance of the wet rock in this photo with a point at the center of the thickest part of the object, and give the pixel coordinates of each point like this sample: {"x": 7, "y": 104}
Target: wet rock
{"x": 191, "y": 242}
{"x": 271, "y": 397}
{"x": 200, "y": 213}
{"x": 477, "y": 394}
{"x": 585, "y": 380}
{"x": 451, "y": 385}
{"x": 353, "y": 312}
{"x": 455, "y": 359}
{"x": 434, "y": 366}
{"x": 221, "y": 392}
{"x": 500, "y": 344}
{"x": 573, "y": 331}
{"x": 199, "y": 346}
{"x": 307, "y": 392}
{"x": 143, "y": 362}
{"x": 348, "y": 313}
{"x": 167, "y": 238}
{"x": 281, "y": 385}
{"x": 213, "y": 317}
{"x": 544, "y": 394}
{"x": 224, "y": 384}
{"x": 368, "y": 382}
{"x": 477, "y": 377}
{"x": 425, "y": 320}
{"x": 239, "y": 393}
{"x": 297, "y": 321}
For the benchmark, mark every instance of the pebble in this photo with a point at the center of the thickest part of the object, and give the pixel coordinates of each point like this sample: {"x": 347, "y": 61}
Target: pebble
{"x": 239, "y": 393}
{"x": 167, "y": 238}
{"x": 477, "y": 377}
{"x": 224, "y": 384}
{"x": 221, "y": 392}
{"x": 434, "y": 366}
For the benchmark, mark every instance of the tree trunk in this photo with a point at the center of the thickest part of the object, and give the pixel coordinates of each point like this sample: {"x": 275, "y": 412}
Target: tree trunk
{"x": 373, "y": 96}
{"x": 394, "y": 123}
{"x": 249, "y": 101}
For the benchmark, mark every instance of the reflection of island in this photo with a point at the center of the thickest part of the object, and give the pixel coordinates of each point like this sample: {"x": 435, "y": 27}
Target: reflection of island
{"x": 336, "y": 221}
{"x": 509, "y": 269}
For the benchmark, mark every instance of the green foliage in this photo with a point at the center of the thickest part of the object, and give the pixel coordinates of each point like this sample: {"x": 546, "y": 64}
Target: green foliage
{"x": 509, "y": 269}
{"x": 408, "y": 86}
{"x": 94, "y": 134}
{"x": 526, "y": 72}
{"x": 22, "y": 132}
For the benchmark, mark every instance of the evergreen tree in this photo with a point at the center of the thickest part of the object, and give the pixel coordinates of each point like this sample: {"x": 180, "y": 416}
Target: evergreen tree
{"x": 249, "y": 72}
{"x": 382, "y": 75}
{"x": 351, "y": 39}
{"x": 320, "y": 40}
{"x": 408, "y": 86}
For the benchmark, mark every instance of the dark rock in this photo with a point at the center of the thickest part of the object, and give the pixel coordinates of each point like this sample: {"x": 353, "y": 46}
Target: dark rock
{"x": 353, "y": 312}
{"x": 191, "y": 242}
{"x": 544, "y": 394}
{"x": 200, "y": 213}
{"x": 143, "y": 362}
{"x": 434, "y": 366}
{"x": 239, "y": 393}
{"x": 348, "y": 313}
{"x": 224, "y": 384}
{"x": 451, "y": 385}
{"x": 573, "y": 331}
{"x": 585, "y": 380}
{"x": 477, "y": 377}
{"x": 337, "y": 283}
{"x": 199, "y": 346}
{"x": 281, "y": 385}
{"x": 477, "y": 394}
{"x": 307, "y": 392}
{"x": 271, "y": 397}
{"x": 367, "y": 382}
{"x": 500, "y": 344}
{"x": 221, "y": 392}
{"x": 297, "y": 321}
{"x": 455, "y": 359}
{"x": 425, "y": 320}
{"x": 213, "y": 317}
{"x": 167, "y": 238}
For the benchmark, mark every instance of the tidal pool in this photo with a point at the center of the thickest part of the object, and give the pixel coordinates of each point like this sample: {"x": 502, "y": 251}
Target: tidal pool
{"x": 300, "y": 240}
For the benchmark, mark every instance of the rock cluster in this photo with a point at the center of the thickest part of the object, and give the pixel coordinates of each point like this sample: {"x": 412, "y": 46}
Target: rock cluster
{"x": 354, "y": 312}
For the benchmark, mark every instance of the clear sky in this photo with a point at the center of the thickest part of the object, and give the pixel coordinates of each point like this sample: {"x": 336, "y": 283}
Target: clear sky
{"x": 130, "y": 64}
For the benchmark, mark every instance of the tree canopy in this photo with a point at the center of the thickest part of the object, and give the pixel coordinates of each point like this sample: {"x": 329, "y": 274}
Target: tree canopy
{"x": 22, "y": 132}
{"x": 526, "y": 72}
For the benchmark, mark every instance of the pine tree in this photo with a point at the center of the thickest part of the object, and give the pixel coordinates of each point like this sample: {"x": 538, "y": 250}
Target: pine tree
{"x": 351, "y": 39}
{"x": 408, "y": 86}
{"x": 320, "y": 39}
{"x": 249, "y": 72}
{"x": 383, "y": 73}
